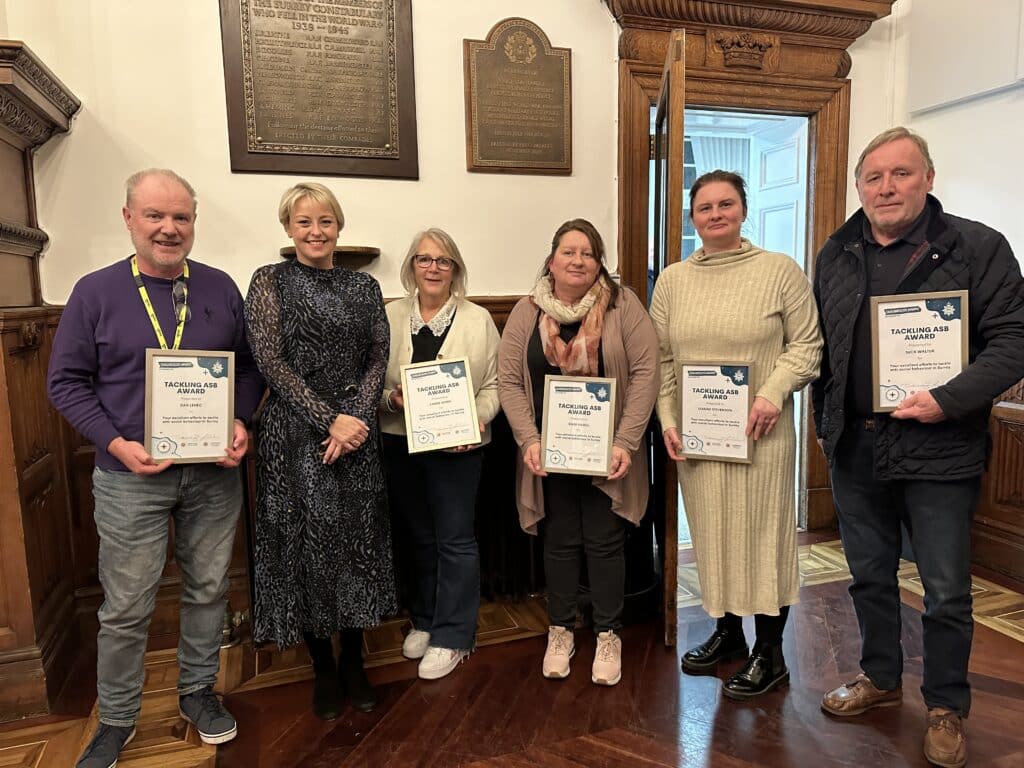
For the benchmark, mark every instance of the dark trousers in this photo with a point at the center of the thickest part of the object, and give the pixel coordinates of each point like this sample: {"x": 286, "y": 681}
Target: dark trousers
{"x": 938, "y": 516}
{"x": 433, "y": 499}
{"x": 579, "y": 521}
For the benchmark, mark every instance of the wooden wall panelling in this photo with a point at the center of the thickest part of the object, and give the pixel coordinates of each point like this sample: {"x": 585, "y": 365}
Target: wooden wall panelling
{"x": 998, "y": 529}
{"x": 37, "y": 637}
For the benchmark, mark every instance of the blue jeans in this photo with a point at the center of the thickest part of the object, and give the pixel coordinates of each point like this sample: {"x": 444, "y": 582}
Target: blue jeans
{"x": 938, "y": 516}
{"x": 132, "y": 515}
{"x": 433, "y": 503}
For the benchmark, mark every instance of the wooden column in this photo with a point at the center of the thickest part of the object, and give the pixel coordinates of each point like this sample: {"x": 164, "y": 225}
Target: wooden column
{"x": 37, "y": 636}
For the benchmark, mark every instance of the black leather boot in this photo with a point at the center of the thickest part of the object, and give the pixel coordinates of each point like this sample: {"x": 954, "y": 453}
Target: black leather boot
{"x": 326, "y": 702}
{"x": 765, "y": 670}
{"x": 352, "y": 675}
{"x": 723, "y": 645}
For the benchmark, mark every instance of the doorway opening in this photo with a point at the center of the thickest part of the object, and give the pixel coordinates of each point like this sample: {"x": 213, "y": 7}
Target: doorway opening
{"x": 770, "y": 151}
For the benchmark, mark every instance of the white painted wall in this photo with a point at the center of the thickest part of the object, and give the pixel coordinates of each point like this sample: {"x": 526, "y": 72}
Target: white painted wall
{"x": 975, "y": 144}
{"x": 150, "y": 76}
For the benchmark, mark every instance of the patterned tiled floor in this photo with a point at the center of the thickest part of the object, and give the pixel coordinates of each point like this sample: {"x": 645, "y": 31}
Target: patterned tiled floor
{"x": 995, "y": 606}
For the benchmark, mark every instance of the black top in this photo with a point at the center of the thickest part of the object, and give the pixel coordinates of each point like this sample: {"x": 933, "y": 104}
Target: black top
{"x": 425, "y": 345}
{"x": 540, "y": 367}
{"x": 886, "y": 267}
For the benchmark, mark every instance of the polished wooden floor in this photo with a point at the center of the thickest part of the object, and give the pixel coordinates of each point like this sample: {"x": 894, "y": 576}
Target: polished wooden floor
{"x": 496, "y": 710}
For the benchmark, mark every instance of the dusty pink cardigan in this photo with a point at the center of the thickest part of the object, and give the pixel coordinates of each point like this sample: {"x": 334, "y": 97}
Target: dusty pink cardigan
{"x": 629, "y": 349}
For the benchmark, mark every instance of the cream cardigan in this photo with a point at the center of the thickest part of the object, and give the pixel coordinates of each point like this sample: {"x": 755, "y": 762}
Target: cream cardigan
{"x": 472, "y": 335}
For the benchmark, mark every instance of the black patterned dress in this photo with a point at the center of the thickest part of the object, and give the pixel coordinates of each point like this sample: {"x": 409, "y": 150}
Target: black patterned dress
{"x": 323, "y": 542}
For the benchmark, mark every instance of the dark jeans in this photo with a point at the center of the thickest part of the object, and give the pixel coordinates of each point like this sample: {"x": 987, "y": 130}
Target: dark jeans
{"x": 938, "y": 516}
{"x": 579, "y": 521}
{"x": 433, "y": 498}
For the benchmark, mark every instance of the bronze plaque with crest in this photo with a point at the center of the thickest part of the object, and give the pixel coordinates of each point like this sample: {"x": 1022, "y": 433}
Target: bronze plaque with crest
{"x": 518, "y": 101}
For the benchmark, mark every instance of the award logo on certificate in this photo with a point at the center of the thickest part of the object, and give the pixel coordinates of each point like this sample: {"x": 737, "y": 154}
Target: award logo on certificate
{"x": 579, "y": 420}
{"x": 440, "y": 405}
{"x": 918, "y": 341}
{"x": 190, "y": 404}
{"x": 715, "y": 400}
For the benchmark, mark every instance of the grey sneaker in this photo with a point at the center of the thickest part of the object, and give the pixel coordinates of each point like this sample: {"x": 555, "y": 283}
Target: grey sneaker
{"x": 106, "y": 746}
{"x": 203, "y": 709}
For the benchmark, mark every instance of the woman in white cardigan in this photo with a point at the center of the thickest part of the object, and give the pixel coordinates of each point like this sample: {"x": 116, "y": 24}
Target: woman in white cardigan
{"x": 433, "y": 495}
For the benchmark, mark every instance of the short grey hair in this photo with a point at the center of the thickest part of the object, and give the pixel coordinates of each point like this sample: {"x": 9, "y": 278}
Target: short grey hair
{"x": 460, "y": 277}
{"x": 136, "y": 178}
{"x": 895, "y": 134}
{"x": 314, "y": 191}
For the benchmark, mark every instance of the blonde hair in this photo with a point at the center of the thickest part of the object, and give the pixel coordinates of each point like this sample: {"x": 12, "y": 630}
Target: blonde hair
{"x": 460, "y": 277}
{"x": 137, "y": 178}
{"x": 895, "y": 134}
{"x": 314, "y": 191}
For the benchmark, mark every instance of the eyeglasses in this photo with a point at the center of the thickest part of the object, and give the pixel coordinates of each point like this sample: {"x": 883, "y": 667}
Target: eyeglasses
{"x": 179, "y": 294}
{"x": 423, "y": 261}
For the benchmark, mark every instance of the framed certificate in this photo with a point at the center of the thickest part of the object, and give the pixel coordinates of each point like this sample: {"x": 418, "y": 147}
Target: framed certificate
{"x": 190, "y": 404}
{"x": 918, "y": 341}
{"x": 440, "y": 405}
{"x": 578, "y": 425}
{"x": 714, "y": 401}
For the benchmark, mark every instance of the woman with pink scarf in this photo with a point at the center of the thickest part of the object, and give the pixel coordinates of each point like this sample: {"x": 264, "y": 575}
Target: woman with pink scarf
{"x": 578, "y": 322}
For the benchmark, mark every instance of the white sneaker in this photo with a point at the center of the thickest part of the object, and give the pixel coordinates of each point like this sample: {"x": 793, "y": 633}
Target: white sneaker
{"x": 415, "y": 644}
{"x": 607, "y": 669}
{"x": 561, "y": 647}
{"x": 438, "y": 662}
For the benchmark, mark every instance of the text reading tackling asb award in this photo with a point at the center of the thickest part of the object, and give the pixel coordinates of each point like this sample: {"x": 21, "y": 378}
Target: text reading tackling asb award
{"x": 190, "y": 404}
{"x": 918, "y": 341}
{"x": 715, "y": 400}
{"x": 440, "y": 405}
{"x": 577, "y": 430}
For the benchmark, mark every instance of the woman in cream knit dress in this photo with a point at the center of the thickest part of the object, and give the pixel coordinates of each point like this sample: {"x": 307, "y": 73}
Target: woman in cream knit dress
{"x": 734, "y": 301}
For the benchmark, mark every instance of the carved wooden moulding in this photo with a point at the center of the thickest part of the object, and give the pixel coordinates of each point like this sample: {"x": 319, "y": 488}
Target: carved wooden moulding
{"x": 845, "y": 19}
{"x": 34, "y": 104}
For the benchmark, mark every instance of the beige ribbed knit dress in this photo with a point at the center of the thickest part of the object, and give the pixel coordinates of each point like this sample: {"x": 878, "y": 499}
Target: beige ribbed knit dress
{"x": 746, "y": 304}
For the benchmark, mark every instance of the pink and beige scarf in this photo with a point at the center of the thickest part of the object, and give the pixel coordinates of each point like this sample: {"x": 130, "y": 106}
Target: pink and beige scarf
{"x": 578, "y": 356}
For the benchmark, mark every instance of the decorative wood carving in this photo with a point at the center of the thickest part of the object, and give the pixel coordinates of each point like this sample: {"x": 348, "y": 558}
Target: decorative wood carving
{"x": 744, "y": 49}
{"x": 844, "y": 19}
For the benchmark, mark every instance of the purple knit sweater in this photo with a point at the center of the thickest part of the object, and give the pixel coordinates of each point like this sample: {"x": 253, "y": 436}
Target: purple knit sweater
{"x": 97, "y": 376}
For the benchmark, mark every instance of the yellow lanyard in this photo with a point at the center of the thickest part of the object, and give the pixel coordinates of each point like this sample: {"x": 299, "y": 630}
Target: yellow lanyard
{"x": 152, "y": 315}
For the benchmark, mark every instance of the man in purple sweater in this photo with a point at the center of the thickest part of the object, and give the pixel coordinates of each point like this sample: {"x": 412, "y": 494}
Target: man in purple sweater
{"x": 155, "y": 298}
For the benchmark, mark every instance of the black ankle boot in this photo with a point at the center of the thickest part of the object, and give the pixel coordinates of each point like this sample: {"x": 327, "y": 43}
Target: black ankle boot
{"x": 351, "y": 673}
{"x": 723, "y": 645}
{"x": 326, "y": 701}
{"x": 765, "y": 670}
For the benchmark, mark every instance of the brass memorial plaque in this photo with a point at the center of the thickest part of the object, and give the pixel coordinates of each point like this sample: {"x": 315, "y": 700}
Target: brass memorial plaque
{"x": 320, "y": 87}
{"x": 518, "y": 101}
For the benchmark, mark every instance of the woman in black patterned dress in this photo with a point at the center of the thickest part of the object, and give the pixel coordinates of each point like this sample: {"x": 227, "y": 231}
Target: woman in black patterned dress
{"x": 323, "y": 544}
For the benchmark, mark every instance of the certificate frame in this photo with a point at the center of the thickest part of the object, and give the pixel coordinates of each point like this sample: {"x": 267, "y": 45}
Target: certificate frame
{"x": 552, "y": 457}
{"x": 940, "y": 307}
{"x": 697, "y": 442}
{"x": 446, "y": 432}
{"x": 180, "y": 443}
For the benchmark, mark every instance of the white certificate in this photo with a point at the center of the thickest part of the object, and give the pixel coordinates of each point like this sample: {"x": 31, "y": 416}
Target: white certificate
{"x": 578, "y": 425}
{"x": 440, "y": 405}
{"x": 918, "y": 341}
{"x": 190, "y": 404}
{"x": 715, "y": 400}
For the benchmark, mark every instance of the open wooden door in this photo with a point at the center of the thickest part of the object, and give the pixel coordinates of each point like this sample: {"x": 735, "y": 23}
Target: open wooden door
{"x": 668, "y": 239}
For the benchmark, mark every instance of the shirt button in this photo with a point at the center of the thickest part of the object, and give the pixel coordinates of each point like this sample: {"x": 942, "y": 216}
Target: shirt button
{"x": 935, "y": 257}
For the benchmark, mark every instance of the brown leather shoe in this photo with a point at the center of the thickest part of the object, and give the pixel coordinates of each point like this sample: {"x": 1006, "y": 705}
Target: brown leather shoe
{"x": 945, "y": 742}
{"x": 858, "y": 697}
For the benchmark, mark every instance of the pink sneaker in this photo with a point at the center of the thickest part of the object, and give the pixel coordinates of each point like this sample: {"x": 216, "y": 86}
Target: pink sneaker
{"x": 561, "y": 647}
